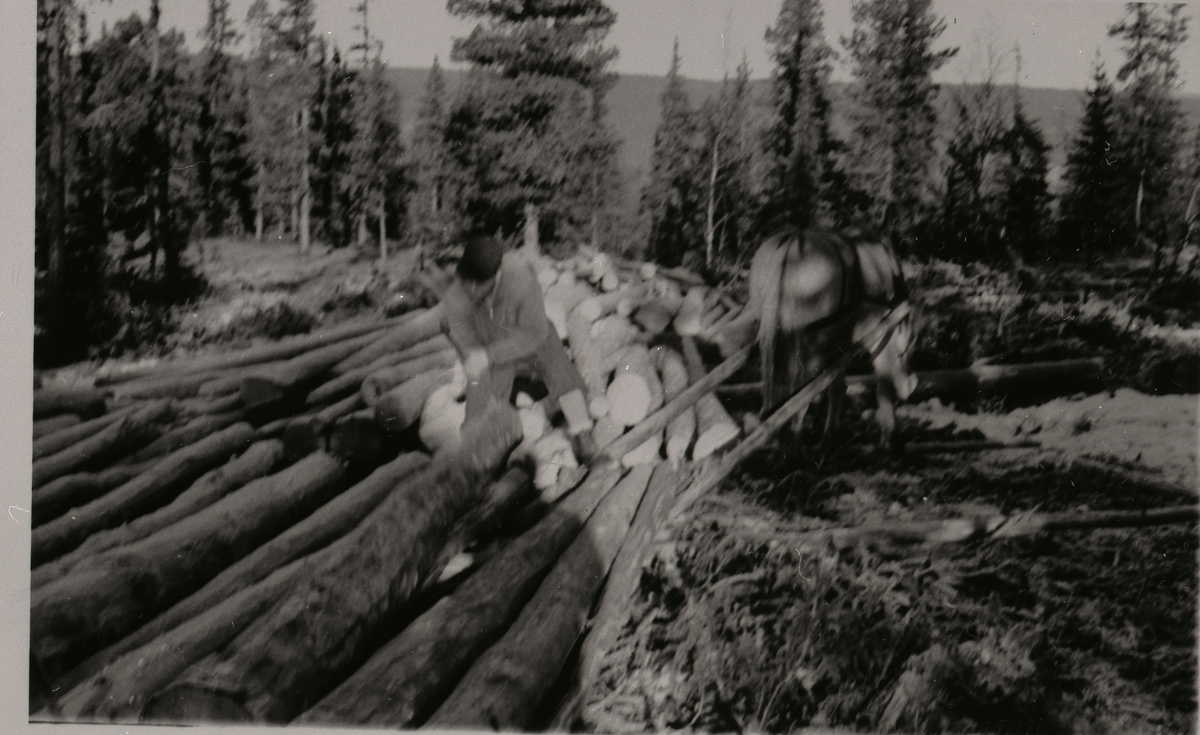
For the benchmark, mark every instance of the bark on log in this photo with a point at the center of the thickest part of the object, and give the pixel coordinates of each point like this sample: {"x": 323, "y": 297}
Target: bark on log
{"x": 282, "y": 350}
{"x": 504, "y": 686}
{"x": 183, "y": 385}
{"x": 106, "y": 597}
{"x": 658, "y": 420}
{"x": 400, "y": 408}
{"x": 42, "y": 427}
{"x": 357, "y": 438}
{"x": 68, "y": 437}
{"x": 57, "y": 497}
{"x": 87, "y": 403}
{"x": 363, "y": 580}
{"x": 379, "y": 383}
{"x": 144, "y": 493}
{"x": 329, "y": 523}
{"x": 423, "y": 326}
{"x": 186, "y": 435}
{"x": 408, "y": 677}
{"x": 714, "y": 427}
{"x": 306, "y": 434}
{"x": 352, "y": 379}
{"x": 682, "y": 428}
{"x": 1035, "y": 377}
{"x": 201, "y": 406}
{"x": 614, "y": 604}
{"x": 126, "y": 434}
{"x": 274, "y": 383}
{"x": 715, "y": 473}
{"x": 256, "y": 461}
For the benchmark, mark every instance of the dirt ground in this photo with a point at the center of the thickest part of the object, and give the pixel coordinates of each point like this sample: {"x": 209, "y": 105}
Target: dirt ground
{"x": 738, "y": 627}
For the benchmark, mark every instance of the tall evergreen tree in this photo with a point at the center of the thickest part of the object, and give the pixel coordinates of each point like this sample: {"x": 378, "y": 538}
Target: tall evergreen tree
{"x": 1090, "y": 217}
{"x": 427, "y": 155}
{"x": 222, "y": 170}
{"x": 806, "y": 184}
{"x": 535, "y": 109}
{"x": 1025, "y": 199}
{"x": 1151, "y": 123}
{"x": 671, "y": 198}
{"x": 895, "y": 117}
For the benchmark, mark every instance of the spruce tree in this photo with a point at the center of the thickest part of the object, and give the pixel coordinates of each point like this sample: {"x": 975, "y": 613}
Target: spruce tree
{"x": 1090, "y": 218}
{"x": 894, "y": 117}
{"x": 671, "y": 197}
{"x": 805, "y": 184}
{"x": 427, "y": 156}
{"x": 534, "y": 110}
{"x": 726, "y": 160}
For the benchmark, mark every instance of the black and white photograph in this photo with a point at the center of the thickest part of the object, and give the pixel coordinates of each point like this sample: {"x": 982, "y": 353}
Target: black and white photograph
{"x": 604, "y": 366}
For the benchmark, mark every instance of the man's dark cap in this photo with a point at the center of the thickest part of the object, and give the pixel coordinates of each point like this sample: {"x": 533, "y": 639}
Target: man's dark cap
{"x": 481, "y": 258}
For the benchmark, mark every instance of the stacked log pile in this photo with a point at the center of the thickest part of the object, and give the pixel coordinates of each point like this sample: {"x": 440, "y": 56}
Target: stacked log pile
{"x": 248, "y": 536}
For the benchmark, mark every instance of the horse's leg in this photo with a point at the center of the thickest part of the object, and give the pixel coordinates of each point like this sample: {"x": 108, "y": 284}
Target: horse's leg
{"x": 835, "y": 398}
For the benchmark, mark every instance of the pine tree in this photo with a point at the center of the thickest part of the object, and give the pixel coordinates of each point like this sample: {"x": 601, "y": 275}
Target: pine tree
{"x": 1090, "y": 219}
{"x": 895, "y": 118}
{"x": 672, "y": 195}
{"x": 806, "y": 184}
{"x": 534, "y": 110}
{"x": 1150, "y": 118}
{"x": 1025, "y": 212}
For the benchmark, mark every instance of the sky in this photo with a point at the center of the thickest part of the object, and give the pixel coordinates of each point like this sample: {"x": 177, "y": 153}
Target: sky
{"x": 1058, "y": 40}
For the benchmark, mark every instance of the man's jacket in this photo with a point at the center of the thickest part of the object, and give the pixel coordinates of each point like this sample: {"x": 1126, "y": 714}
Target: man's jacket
{"x": 509, "y": 321}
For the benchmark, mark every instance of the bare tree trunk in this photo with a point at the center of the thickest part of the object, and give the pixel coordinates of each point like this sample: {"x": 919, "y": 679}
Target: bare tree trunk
{"x": 531, "y": 229}
{"x": 259, "y": 196}
{"x": 712, "y": 203}
{"x": 55, "y": 11}
{"x": 362, "y": 227}
{"x": 305, "y": 188}
{"x": 383, "y": 249}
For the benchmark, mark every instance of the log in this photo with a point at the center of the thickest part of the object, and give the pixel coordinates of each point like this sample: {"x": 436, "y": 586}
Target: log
{"x": 256, "y": 461}
{"x": 400, "y": 408}
{"x": 186, "y": 435}
{"x": 274, "y": 383}
{"x": 610, "y": 335}
{"x": 442, "y": 419}
{"x": 636, "y": 359}
{"x": 688, "y": 320}
{"x": 645, "y": 453}
{"x": 352, "y": 379}
{"x": 357, "y": 438}
{"x": 361, "y": 582}
{"x": 658, "y": 420}
{"x": 416, "y": 329}
{"x": 711, "y": 317}
{"x": 614, "y": 604}
{"x": 86, "y": 403}
{"x": 70, "y": 436}
{"x": 601, "y": 305}
{"x": 382, "y": 381}
{"x": 200, "y": 406}
{"x": 798, "y": 402}
{"x": 42, "y": 427}
{"x": 1041, "y": 377}
{"x": 966, "y": 446}
{"x": 106, "y": 597}
{"x": 504, "y": 686}
{"x": 401, "y": 684}
{"x": 126, "y": 434}
{"x": 329, "y": 523}
{"x": 586, "y": 355}
{"x": 714, "y": 427}
{"x": 653, "y": 317}
{"x": 567, "y": 293}
{"x": 281, "y": 350}
{"x": 727, "y": 318}
{"x": 575, "y": 411}
{"x": 182, "y": 385}
{"x": 304, "y": 435}
{"x": 960, "y": 530}
{"x": 628, "y": 400}
{"x": 149, "y": 490}
{"x": 57, "y": 497}
{"x": 682, "y": 428}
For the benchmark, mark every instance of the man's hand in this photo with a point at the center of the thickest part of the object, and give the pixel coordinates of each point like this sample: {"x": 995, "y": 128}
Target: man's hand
{"x": 475, "y": 364}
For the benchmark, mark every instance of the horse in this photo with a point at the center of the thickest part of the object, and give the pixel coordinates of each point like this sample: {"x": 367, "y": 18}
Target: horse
{"x": 815, "y": 295}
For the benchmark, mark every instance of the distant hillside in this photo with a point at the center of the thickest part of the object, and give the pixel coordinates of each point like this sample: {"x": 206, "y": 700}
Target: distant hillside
{"x": 634, "y": 106}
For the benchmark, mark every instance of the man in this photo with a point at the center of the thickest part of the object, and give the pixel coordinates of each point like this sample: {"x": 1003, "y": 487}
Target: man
{"x": 494, "y": 315}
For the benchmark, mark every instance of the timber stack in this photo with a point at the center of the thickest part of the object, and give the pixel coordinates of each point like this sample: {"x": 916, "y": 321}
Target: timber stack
{"x": 307, "y": 532}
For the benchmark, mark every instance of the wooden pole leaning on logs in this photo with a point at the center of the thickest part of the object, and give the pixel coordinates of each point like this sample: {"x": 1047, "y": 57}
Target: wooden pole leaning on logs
{"x": 266, "y": 673}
